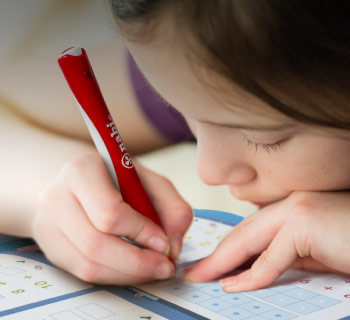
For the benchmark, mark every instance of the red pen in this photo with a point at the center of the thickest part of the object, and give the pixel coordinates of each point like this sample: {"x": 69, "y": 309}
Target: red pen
{"x": 78, "y": 72}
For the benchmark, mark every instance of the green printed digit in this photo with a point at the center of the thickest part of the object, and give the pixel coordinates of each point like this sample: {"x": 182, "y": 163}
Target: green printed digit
{"x": 18, "y": 291}
{"x": 43, "y": 284}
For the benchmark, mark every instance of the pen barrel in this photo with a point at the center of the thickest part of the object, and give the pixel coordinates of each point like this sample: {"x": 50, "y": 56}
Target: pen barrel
{"x": 80, "y": 77}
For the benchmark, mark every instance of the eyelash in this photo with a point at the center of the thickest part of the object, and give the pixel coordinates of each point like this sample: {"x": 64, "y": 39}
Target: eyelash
{"x": 265, "y": 146}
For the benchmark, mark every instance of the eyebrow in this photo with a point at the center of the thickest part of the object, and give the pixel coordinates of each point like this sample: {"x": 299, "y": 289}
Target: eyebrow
{"x": 251, "y": 127}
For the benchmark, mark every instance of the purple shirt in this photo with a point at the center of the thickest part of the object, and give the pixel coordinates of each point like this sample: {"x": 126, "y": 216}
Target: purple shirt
{"x": 164, "y": 117}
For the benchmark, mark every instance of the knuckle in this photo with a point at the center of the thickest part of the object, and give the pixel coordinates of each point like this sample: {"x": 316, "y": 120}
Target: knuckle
{"x": 301, "y": 196}
{"x": 140, "y": 266}
{"x": 265, "y": 260}
{"x": 78, "y": 166}
{"x": 183, "y": 212}
{"x": 47, "y": 197}
{"x": 159, "y": 178}
{"x": 108, "y": 217}
{"x": 186, "y": 212}
{"x": 265, "y": 266}
{"x": 303, "y": 209}
{"x": 88, "y": 271}
{"x": 90, "y": 245}
{"x": 137, "y": 229}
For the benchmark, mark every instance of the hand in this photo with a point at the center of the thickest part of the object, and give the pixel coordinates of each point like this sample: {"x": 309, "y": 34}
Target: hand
{"x": 308, "y": 230}
{"x": 82, "y": 216}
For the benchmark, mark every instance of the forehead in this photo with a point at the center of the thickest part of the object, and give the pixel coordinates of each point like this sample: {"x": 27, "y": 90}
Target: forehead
{"x": 198, "y": 92}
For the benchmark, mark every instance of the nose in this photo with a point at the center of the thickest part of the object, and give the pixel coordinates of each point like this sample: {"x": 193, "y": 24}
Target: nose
{"x": 222, "y": 172}
{"x": 221, "y": 162}
{"x": 241, "y": 174}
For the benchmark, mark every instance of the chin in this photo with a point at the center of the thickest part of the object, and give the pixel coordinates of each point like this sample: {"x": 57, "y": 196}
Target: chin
{"x": 255, "y": 201}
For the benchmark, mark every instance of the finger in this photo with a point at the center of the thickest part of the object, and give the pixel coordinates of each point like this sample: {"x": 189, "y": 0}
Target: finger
{"x": 64, "y": 255}
{"x": 244, "y": 241}
{"x": 175, "y": 213}
{"x": 105, "y": 207}
{"x": 270, "y": 265}
{"x": 109, "y": 250}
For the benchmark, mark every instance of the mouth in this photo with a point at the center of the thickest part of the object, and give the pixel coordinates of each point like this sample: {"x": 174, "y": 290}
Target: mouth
{"x": 261, "y": 204}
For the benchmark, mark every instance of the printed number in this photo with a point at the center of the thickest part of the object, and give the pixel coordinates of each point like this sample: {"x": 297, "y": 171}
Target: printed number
{"x": 18, "y": 291}
{"x": 43, "y": 284}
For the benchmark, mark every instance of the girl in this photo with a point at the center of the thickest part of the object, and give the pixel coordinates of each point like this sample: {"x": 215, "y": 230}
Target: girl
{"x": 263, "y": 87}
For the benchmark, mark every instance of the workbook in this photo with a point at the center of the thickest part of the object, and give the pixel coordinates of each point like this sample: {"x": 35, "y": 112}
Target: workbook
{"x": 32, "y": 288}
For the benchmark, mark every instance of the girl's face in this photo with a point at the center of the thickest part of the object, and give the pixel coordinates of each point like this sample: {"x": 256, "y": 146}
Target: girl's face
{"x": 261, "y": 155}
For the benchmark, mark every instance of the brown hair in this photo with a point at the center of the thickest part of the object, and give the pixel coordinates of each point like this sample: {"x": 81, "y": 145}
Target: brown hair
{"x": 292, "y": 54}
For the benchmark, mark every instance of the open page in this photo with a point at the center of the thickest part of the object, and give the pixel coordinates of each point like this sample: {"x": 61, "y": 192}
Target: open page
{"x": 32, "y": 288}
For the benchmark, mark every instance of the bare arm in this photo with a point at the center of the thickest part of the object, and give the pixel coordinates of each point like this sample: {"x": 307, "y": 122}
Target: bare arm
{"x": 36, "y": 88}
{"x": 54, "y": 186}
{"x": 31, "y": 157}
{"x": 42, "y": 129}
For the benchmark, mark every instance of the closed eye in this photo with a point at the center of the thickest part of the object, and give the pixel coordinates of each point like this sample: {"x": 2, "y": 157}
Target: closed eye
{"x": 264, "y": 146}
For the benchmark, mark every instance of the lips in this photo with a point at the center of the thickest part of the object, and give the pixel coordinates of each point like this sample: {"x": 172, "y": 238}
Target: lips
{"x": 261, "y": 204}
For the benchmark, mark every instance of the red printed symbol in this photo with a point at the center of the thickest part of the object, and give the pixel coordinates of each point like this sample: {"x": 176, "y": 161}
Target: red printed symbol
{"x": 305, "y": 281}
{"x": 126, "y": 161}
{"x": 347, "y": 296}
{"x": 328, "y": 288}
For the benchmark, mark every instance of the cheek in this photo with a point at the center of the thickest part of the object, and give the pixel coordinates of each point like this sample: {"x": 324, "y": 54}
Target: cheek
{"x": 313, "y": 165}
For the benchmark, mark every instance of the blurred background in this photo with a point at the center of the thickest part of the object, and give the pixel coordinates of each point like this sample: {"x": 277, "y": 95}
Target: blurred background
{"x": 35, "y": 30}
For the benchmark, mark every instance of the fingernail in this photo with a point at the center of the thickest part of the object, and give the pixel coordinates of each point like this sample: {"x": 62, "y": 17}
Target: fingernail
{"x": 159, "y": 244}
{"x": 164, "y": 270}
{"x": 228, "y": 283}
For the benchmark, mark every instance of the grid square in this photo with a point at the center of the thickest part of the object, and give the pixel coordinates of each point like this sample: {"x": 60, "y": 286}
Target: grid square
{"x": 175, "y": 289}
{"x": 322, "y": 301}
{"x": 236, "y": 298}
{"x": 303, "y": 307}
{"x": 236, "y": 313}
{"x": 300, "y": 294}
{"x": 95, "y": 311}
{"x": 198, "y": 285}
{"x": 214, "y": 290}
{"x": 215, "y": 304}
{"x": 256, "y": 307}
{"x": 281, "y": 299}
{"x": 10, "y": 271}
{"x": 195, "y": 296}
